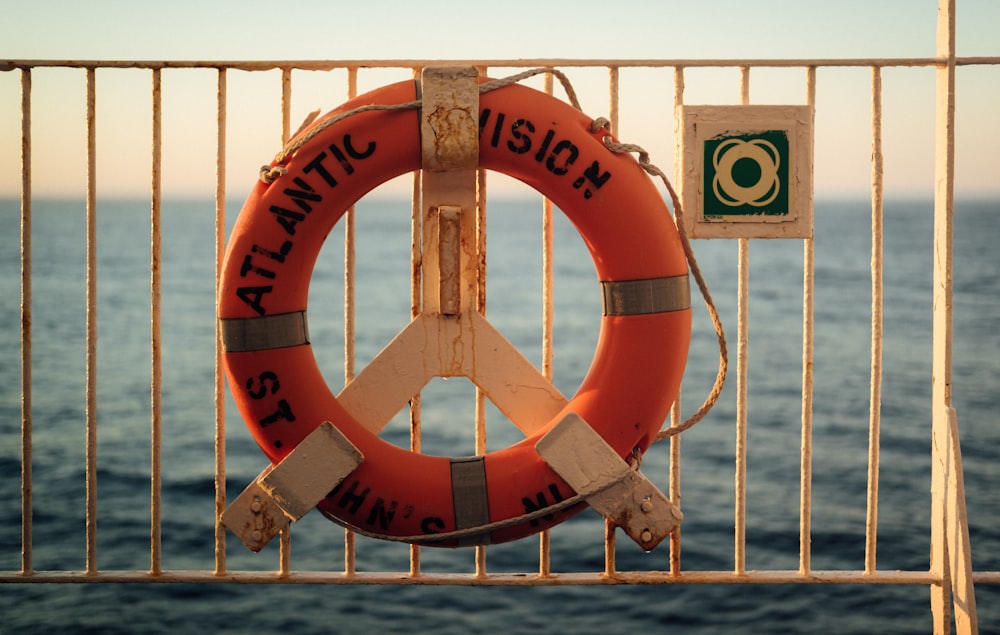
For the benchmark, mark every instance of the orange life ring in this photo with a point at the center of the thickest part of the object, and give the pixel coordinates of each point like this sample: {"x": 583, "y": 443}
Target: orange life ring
{"x": 640, "y": 354}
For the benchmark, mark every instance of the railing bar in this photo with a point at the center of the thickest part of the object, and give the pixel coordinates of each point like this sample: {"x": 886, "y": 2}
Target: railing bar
{"x": 548, "y": 318}
{"x": 91, "y": 326}
{"x": 329, "y": 65}
{"x": 26, "y": 440}
{"x": 497, "y": 579}
{"x": 741, "y": 375}
{"x": 675, "y": 479}
{"x": 285, "y": 537}
{"x": 675, "y": 412}
{"x": 614, "y": 119}
{"x": 155, "y": 292}
{"x": 416, "y": 229}
{"x": 871, "y": 521}
{"x": 741, "y": 405}
{"x": 808, "y": 346}
{"x": 614, "y": 103}
{"x": 350, "y": 261}
{"x": 610, "y": 543}
{"x": 415, "y": 426}
{"x": 942, "y": 315}
{"x": 481, "y": 185}
{"x": 480, "y": 418}
{"x": 548, "y": 232}
{"x": 957, "y": 533}
{"x": 480, "y": 305}
{"x": 220, "y": 247}
{"x": 416, "y": 306}
{"x": 350, "y": 315}
{"x": 286, "y": 104}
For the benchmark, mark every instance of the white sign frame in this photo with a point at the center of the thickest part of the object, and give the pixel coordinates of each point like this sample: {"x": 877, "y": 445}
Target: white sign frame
{"x": 699, "y": 124}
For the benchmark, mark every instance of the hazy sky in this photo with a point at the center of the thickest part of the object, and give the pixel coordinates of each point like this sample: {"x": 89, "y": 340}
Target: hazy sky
{"x": 314, "y": 29}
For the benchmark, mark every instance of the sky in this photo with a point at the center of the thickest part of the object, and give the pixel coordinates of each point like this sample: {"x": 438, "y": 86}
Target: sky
{"x": 515, "y": 29}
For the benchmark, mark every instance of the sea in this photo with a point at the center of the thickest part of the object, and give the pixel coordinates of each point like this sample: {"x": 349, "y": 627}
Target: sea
{"x": 840, "y": 419}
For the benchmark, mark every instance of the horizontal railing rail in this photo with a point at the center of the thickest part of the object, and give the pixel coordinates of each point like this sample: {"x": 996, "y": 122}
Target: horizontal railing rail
{"x": 329, "y": 65}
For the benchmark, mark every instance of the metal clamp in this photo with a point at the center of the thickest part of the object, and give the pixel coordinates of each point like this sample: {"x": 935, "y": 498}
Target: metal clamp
{"x": 285, "y": 492}
{"x": 621, "y": 494}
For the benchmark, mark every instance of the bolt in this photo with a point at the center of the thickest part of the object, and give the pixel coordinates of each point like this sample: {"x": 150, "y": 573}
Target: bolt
{"x": 646, "y": 536}
{"x": 647, "y": 506}
{"x": 257, "y": 536}
{"x": 256, "y": 506}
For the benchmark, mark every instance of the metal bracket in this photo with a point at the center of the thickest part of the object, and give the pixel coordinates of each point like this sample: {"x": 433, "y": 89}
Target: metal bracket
{"x": 623, "y": 495}
{"x": 285, "y": 492}
{"x": 449, "y": 133}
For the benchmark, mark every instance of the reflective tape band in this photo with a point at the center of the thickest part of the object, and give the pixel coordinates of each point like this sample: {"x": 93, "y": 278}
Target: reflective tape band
{"x": 652, "y": 295}
{"x": 240, "y": 335}
{"x": 468, "y": 490}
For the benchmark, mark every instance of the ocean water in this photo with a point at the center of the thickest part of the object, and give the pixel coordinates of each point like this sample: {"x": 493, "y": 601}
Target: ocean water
{"x": 841, "y": 405}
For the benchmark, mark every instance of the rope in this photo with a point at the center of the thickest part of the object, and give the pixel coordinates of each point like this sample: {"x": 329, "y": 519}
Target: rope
{"x": 426, "y": 539}
{"x": 720, "y": 378}
{"x": 269, "y": 173}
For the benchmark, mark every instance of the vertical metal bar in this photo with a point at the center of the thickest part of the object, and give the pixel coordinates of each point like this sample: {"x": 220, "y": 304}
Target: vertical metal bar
{"x": 26, "y": 444}
{"x": 91, "y": 326}
{"x": 613, "y": 105}
{"x": 675, "y": 412}
{"x": 959, "y": 547}
{"x": 481, "y": 231}
{"x": 220, "y": 248}
{"x": 286, "y": 104}
{"x": 808, "y": 339}
{"x": 155, "y": 295}
{"x": 416, "y": 228}
{"x": 350, "y": 261}
{"x": 548, "y": 231}
{"x": 941, "y": 329}
{"x": 614, "y": 88}
{"x": 480, "y": 305}
{"x": 742, "y": 324}
{"x": 416, "y": 306}
{"x": 610, "y": 542}
{"x": 871, "y": 522}
{"x": 285, "y": 537}
{"x": 741, "y": 406}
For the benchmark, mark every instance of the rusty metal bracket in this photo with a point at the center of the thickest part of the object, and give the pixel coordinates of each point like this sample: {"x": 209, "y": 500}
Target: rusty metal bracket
{"x": 449, "y": 133}
{"x": 285, "y": 492}
{"x": 611, "y": 486}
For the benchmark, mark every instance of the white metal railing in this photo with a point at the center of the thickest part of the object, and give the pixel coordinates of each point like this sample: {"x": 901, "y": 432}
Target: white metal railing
{"x": 950, "y": 576}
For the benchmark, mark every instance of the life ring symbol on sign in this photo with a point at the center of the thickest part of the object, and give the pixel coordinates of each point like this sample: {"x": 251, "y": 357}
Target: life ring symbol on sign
{"x": 625, "y": 396}
{"x": 764, "y": 190}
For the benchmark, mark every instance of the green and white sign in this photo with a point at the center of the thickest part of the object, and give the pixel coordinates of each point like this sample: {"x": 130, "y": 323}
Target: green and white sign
{"x": 747, "y": 174}
{"x": 747, "y": 171}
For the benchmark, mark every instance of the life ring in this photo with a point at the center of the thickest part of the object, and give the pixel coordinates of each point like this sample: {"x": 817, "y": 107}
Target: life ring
{"x": 640, "y": 354}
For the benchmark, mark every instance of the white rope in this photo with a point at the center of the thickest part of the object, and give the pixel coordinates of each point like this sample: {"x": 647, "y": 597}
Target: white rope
{"x": 720, "y": 377}
{"x": 428, "y": 539}
{"x": 269, "y": 173}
